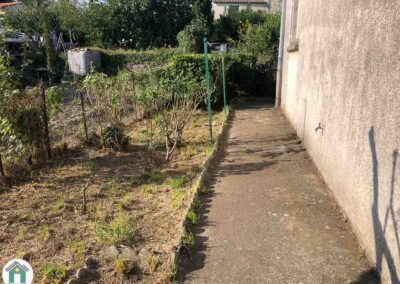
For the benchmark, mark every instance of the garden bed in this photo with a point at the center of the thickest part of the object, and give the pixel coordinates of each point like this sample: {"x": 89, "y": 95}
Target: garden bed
{"x": 135, "y": 204}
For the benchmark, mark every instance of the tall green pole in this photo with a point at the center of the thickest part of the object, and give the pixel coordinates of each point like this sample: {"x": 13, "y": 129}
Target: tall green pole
{"x": 223, "y": 82}
{"x": 208, "y": 90}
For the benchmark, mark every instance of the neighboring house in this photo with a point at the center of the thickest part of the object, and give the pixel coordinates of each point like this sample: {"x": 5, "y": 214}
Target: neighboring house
{"x": 341, "y": 92}
{"x": 221, "y": 7}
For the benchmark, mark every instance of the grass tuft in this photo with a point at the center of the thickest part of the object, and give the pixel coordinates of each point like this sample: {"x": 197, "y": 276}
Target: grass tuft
{"x": 120, "y": 231}
{"x": 188, "y": 240}
{"x": 175, "y": 183}
{"x": 54, "y": 273}
{"x": 124, "y": 267}
{"x": 192, "y": 217}
{"x": 155, "y": 175}
{"x": 45, "y": 232}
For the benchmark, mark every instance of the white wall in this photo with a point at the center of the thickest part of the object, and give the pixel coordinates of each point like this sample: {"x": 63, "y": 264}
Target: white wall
{"x": 345, "y": 77}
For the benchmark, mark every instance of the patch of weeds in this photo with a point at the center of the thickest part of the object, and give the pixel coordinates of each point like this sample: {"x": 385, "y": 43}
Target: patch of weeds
{"x": 60, "y": 204}
{"x": 175, "y": 183}
{"x": 89, "y": 166}
{"x": 155, "y": 175}
{"x": 133, "y": 179}
{"x": 178, "y": 197}
{"x": 124, "y": 267}
{"x": 206, "y": 190}
{"x": 188, "y": 240}
{"x": 30, "y": 216}
{"x": 45, "y": 232}
{"x": 174, "y": 274}
{"x": 78, "y": 248}
{"x": 192, "y": 217}
{"x": 197, "y": 203}
{"x": 120, "y": 231}
{"x": 21, "y": 234}
{"x": 100, "y": 213}
{"x": 54, "y": 273}
{"x": 108, "y": 185}
{"x": 154, "y": 263}
{"x": 126, "y": 202}
{"x": 210, "y": 150}
{"x": 149, "y": 188}
{"x": 188, "y": 152}
{"x": 193, "y": 172}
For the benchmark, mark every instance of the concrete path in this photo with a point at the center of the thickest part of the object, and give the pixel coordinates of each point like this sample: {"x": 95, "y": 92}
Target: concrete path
{"x": 270, "y": 218}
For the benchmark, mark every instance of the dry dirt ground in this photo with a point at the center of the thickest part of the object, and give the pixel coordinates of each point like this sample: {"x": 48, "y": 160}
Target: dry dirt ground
{"x": 41, "y": 218}
{"x": 270, "y": 217}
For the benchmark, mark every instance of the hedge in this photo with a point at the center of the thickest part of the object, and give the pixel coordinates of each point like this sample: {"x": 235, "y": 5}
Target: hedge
{"x": 114, "y": 60}
{"x": 245, "y": 75}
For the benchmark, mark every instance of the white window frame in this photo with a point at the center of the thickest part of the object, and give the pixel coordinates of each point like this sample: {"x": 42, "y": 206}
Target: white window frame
{"x": 294, "y": 20}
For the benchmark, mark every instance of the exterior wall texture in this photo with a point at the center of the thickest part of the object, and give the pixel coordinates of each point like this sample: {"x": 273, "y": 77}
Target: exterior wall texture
{"x": 341, "y": 92}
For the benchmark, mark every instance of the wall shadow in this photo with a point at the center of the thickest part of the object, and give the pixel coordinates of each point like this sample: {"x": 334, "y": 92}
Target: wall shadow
{"x": 382, "y": 249}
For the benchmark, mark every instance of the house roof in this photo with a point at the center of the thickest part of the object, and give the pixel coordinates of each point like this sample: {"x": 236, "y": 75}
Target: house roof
{"x": 241, "y": 1}
{"x": 9, "y": 4}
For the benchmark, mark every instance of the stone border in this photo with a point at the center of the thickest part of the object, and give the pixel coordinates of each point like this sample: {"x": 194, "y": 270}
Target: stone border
{"x": 208, "y": 166}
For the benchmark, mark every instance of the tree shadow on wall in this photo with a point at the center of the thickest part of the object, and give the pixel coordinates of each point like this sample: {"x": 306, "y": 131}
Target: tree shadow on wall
{"x": 382, "y": 249}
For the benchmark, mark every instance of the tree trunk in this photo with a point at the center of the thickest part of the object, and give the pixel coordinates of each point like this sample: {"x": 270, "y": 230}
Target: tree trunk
{"x": 1, "y": 167}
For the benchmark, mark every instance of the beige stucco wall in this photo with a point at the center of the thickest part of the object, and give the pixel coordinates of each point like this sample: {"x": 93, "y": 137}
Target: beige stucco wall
{"x": 272, "y": 6}
{"x": 346, "y": 79}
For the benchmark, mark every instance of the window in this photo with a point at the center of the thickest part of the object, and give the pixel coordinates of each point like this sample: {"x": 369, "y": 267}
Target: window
{"x": 293, "y": 37}
{"x": 233, "y": 8}
{"x": 293, "y": 22}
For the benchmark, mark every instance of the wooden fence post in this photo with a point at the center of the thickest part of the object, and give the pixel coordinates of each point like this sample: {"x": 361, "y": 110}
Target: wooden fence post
{"x": 84, "y": 116}
{"x": 1, "y": 167}
{"x": 45, "y": 120}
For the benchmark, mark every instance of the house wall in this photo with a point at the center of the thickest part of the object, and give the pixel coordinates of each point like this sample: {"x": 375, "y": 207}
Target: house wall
{"x": 341, "y": 92}
{"x": 220, "y": 8}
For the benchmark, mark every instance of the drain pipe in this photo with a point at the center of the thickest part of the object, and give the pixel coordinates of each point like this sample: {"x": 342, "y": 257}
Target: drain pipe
{"x": 278, "y": 94}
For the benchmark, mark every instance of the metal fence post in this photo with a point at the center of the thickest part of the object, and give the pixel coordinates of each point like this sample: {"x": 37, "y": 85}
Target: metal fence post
{"x": 45, "y": 120}
{"x": 208, "y": 90}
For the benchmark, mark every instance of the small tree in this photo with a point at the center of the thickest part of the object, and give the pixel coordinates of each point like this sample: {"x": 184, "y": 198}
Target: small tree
{"x": 181, "y": 95}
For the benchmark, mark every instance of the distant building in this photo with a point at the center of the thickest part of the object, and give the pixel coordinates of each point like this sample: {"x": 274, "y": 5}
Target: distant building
{"x": 221, "y": 7}
{"x": 10, "y": 6}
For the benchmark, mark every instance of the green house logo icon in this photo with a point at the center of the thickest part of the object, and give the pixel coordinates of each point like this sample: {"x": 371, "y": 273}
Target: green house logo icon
{"x": 17, "y": 271}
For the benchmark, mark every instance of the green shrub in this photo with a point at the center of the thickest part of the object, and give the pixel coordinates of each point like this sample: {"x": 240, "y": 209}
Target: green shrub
{"x": 191, "y": 38}
{"x": 54, "y": 97}
{"x": 114, "y": 138}
{"x": 228, "y": 27}
{"x": 263, "y": 40}
{"x": 120, "y": 231}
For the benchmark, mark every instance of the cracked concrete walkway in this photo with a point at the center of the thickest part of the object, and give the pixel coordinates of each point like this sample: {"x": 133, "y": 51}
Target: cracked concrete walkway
{"x": 270, "y": 218}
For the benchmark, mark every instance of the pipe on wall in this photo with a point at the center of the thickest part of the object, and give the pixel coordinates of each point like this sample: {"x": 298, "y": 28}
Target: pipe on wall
{"x": 278, "y": 94}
